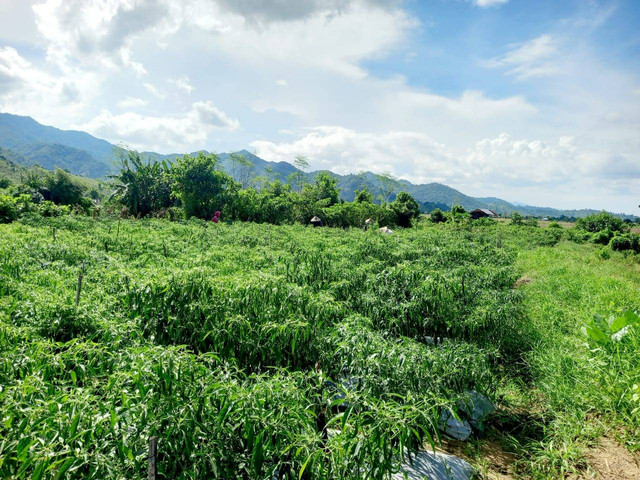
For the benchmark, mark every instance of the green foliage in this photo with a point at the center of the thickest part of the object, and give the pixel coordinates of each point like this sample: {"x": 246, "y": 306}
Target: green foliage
{"x": 223, "y": 342}
{"x": 363, "y": 196}
{"x": 201, "y": 188}
{"x": 5, "y": 182}
{"x": 142, "y": 187}
{"x": 438, "y": 216}
{"x": 517, "y": 219}
{"x": 62, "y": 189}
{"x": 8, "y": 209}
{"x": 601, "y": 221}
{"x": 626, "y": 241}
{"x": 324, "y": 189}
{"x": 406, "y": 209}
{"x": 354, "y": 214}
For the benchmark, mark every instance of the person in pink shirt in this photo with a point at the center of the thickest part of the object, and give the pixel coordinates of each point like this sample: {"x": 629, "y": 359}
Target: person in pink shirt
{"x": 216, "y": 217}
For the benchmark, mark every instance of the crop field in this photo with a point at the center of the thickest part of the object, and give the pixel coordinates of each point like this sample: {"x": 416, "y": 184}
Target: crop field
{"x": 260, "y": 351}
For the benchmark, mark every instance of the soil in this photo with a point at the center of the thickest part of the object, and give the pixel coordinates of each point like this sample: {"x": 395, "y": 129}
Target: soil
{"x": 496, "y": 463}
{"x": 522, "y": 281}
{"x": 611, "y": 461}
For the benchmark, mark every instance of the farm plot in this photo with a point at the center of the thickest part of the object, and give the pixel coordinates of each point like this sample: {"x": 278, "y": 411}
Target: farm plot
{"x": 251, "y": 351}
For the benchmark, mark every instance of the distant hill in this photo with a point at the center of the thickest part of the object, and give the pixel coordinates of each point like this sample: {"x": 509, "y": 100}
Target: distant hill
{"x": 28, "y": 143}
{"x": 49, "y": 147}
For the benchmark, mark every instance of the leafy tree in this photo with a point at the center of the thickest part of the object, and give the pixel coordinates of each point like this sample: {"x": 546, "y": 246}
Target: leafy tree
{"x": 8, "y": 209}
{"x": 296, "y": 180}
{"x": 601, "y": 221}
{"x": 325, "y": 188}
{"x": 363, "y": 196}
{"x": 388, "y": 186}
{"x": 437, "y": 216}
{"x": 301, "y": 163}
{"x": 201, "y": 188}
{"x": 406, "y": 209}
{"x": 62, "y": 189}
{"x": 5, "y": 182}
{"x": 142, "y": 186}
{"x": 516, "y": 219}
{"x": 241, "y": 169}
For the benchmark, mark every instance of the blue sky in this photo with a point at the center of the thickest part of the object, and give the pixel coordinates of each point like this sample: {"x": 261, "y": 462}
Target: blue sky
{"x": 532, "y": 101}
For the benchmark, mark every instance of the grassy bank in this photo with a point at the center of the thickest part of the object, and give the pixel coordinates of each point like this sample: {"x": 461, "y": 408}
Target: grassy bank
{"x": 579, "y": 391}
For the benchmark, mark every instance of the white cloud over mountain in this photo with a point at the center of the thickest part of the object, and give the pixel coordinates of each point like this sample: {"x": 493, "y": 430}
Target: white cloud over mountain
{"x": 291, "y": 77}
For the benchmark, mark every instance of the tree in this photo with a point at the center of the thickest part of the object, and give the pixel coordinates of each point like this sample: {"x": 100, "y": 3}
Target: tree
{"x": 201, "y": 188}
{"x": 406, "y": 209}
{"x": 437, "y": 216}
{"x": 63, "y": 189}
{"x": 326, "y": 188}
{"x": 516, "y": 219}
{"x": 301, "y": 163}
{"x": 601, "y": 221}
{"x": 142, "y": 187}
{"x": 458, "y": 213}
{"x": 241, "y": 169}
{"x": 296, "y": 180}
{"x": 388, "y": 186}
{"x": 363, "y": 196}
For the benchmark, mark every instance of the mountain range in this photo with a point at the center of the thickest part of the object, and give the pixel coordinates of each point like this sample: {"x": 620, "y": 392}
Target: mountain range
{"x": 25, "y": 142}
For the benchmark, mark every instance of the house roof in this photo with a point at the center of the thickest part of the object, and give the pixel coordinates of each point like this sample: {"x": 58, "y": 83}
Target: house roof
{"x": 486, "y": 211}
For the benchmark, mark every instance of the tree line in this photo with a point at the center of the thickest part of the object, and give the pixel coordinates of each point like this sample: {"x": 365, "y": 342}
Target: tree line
{"x": 197, "y": 186}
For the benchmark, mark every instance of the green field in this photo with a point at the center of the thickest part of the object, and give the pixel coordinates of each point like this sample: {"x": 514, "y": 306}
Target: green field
{"x": 261, "y": 351}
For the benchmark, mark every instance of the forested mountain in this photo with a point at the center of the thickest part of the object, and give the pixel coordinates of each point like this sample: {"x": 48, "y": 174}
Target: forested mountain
{"x": 26, "y": 142}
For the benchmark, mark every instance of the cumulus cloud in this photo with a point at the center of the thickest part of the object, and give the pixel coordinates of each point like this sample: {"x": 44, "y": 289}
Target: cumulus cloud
{"x": 164, "y": 133}
{"x": 97, "y": 32}
{"x": 417, "y": 157}
{"x": 29, "y": 90}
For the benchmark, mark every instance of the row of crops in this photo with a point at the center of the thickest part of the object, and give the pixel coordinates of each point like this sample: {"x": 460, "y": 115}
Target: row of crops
{"x": 251, "y": 351}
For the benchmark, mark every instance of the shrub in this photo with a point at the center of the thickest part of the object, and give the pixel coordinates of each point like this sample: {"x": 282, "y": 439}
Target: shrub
{"x": 406, "y": 209}
{"x": 628, "y": 241}
{"x": 50, "y": 209}
{"x": 8, "y": 209}
{"x": 437, "y": 216}
{"x": 554, "y": 225}
{"x": 603, "y": 237}
{"x": 516, "y": 219}
{"x": 5, "y": 182}
{"x": 601, "y": 221}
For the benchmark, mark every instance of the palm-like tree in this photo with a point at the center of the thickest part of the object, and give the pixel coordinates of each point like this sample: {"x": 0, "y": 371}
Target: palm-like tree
{"x": 142, "y": 187}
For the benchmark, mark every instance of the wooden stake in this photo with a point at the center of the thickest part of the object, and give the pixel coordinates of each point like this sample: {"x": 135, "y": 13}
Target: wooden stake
{"x": 79, "y": 289}
{"x": 153, "y": 453}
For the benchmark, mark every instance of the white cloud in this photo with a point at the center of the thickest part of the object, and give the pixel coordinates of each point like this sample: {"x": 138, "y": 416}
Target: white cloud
{"x": 166, "y": 133}
{"x": 27, "y": 89}
{"x": 499, "y": 164}
{"x": 183, "y": 83}
{"x": 534, "y": 58}
{"x": 97, "y": 33}
{"x": 281, "y": 82}
{"x": 489, "y": 3}
{"x": 132, "y": 102}
{"x": 153, "y": 90}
